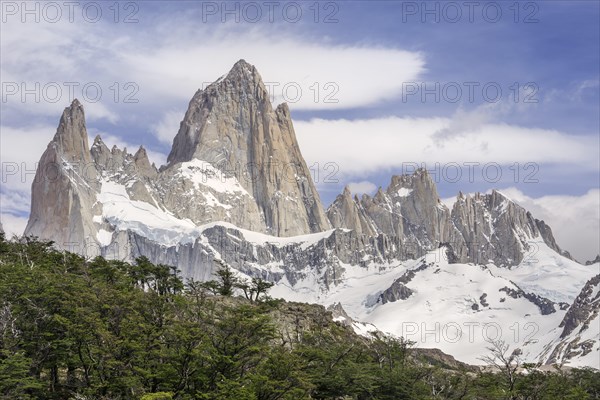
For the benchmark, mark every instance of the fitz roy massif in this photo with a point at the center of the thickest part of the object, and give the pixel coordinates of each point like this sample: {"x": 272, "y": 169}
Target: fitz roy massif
{"x": 236, "y": 188}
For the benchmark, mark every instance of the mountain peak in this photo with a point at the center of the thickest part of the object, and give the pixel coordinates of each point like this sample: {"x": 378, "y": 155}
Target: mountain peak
{"x": 411, "y": 180}
{"x": 69, "y": 195}
{"x": 232, "y": 126}
{"x": 241, "y": 95}
{"x": 141, "y": 160}
{"x": 75, "y": 109}
{"x": 242, "y": 64}
{"x": 283, "y": 109}
{"x": 71, "y": 136}
{"x": 140, "y": 153}
{"x": 379, "y": 195}
{"x": 245, "y": 72}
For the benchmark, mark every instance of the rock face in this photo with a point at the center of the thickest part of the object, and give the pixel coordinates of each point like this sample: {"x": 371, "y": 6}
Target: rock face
{"x": 235, "y": 159}
{"x": 409, "y": 208}
{"x": 492, "y": 227}
{"x": 232, "y": 125}
{"x": 545, "y": 306}
{"x": 326, "y": 254}
{"x": 346, "y": 212}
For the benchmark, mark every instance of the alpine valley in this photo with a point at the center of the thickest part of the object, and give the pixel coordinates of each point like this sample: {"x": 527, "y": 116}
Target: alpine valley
{"x": 236, "y": 188}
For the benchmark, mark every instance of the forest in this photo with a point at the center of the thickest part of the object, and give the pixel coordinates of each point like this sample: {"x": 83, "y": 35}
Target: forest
{"x": 72, "y": 328}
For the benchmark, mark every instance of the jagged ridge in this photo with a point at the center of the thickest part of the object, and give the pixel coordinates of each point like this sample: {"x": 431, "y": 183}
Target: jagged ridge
{"x": 480, "y": 228}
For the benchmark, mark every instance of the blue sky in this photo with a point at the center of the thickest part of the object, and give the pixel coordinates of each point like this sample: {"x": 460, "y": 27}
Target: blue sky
{"x": 373, "y": 53}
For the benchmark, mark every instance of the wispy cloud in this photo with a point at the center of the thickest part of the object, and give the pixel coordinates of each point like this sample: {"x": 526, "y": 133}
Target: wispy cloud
{"x": 362, "y": 187}
{"x": 166, "y": 129}
{"x": 168, "y": 67}
{"x": 387, "y": 143}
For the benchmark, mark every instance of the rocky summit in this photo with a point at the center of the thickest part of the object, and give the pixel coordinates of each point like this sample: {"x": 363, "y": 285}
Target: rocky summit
{"x": 236, "y": 188}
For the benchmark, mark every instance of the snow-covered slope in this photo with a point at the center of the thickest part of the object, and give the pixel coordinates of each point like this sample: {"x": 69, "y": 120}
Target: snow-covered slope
{"x": 457, "y": 307}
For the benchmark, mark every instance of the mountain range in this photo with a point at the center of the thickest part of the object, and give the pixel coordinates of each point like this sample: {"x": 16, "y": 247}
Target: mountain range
{"x": 236, "y": 187}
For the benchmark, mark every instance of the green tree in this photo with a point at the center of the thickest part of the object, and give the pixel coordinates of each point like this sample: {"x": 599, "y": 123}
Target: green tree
{"x": 227, "y": 280}
{"x": 507, "y": 363}
{"x": 255, "y": 289}
{"x": 15, "y": 379}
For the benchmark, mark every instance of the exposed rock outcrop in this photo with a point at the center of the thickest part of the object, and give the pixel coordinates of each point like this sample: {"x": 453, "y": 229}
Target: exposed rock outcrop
{"x": 584, "y": 309}
{"x": 491, "y": 227}
{"x": 235, "y": 159}
{"x": 579, "y": 337}
{"x": 409, "y": 210}
{"x": 546, "y": 306}
{"x": 395, "y": 292}
{"x": 346, "y": 212}
{"x": 339, "y": 314}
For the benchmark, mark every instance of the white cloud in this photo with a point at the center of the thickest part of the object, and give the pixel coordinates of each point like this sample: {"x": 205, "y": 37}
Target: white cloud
{"x": 14, "y": 202}
{"x": 12, "y": 224}
{"x": 362, "y": 187}
{"x": 168, "y": 62}
{"x": 464, "y": 121}
{"x": 344, "y": 77}
{"x": 575, "y": 220}
{"x": 386, "y": 143}
{"x": 167, "y": 127}
{"x": 20, "y": 151}
{"x": 53, "y": 63}
{"x": 576, "y": 92}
